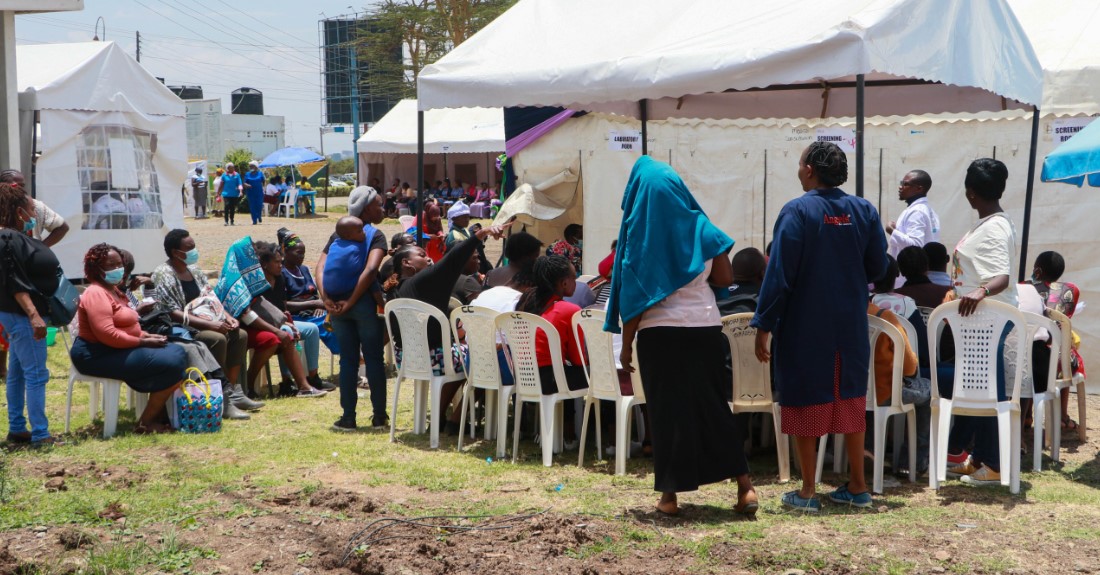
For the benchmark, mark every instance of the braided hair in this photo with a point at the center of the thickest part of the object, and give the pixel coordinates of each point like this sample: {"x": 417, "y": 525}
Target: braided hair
{"x": 390, "y": 284}
{"x": 829, "y": 163}
{"x": 94, "y": 259}
{"x": 546, "y": 272}
{"x": 12, "y": 198}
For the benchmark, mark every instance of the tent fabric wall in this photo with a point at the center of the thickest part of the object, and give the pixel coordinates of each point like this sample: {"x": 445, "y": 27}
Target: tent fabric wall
{"x": 723, "y": 163}
{"x": 89, "y": 87}
{"x": 403, "y": 167}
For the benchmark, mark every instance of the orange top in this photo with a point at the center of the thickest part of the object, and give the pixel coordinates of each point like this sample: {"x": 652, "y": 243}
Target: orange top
{"x": 106, "y": 318}
{"x": 884, "y": 356}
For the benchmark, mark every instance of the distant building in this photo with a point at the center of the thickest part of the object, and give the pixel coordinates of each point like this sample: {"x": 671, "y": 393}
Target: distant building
{"x": 210, "y": 133}
{"x": 339, "y": 37}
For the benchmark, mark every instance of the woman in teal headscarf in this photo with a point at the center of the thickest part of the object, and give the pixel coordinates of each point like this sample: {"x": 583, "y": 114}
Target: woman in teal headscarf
{"x": 669, "y": 254}
{"x": 241, "y": 283}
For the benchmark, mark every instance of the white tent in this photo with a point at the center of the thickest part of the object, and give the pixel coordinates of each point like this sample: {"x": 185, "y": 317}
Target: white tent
{"x": 111, "y": 142}
{"x": 388, "y": 149}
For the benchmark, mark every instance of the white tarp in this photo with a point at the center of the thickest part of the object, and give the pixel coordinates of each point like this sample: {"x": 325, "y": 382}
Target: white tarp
{"x": 460, "y": 131}
{"x": 113, "y": 145}
{"x": 725, "y": 164}
{"x": 564, "y": 52}
{"x": 1064, "y": 35}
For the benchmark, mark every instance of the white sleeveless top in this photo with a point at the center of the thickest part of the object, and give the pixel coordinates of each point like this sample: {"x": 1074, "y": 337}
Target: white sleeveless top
{"x": 690, "y": 306}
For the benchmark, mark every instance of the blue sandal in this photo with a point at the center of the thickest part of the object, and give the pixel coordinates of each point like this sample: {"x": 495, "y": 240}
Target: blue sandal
{"x": 793, "y": 500}
{"x": 845, "y": 497}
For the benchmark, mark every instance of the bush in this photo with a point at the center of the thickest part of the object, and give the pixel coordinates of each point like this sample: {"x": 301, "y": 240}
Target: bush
{"x": 321, "y": 182}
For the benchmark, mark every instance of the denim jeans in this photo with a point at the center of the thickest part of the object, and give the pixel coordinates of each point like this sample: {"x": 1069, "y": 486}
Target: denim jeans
{"x": 311, "y": 345}
{"x": 360, "y": 329}
{"x": 27, "y": 377}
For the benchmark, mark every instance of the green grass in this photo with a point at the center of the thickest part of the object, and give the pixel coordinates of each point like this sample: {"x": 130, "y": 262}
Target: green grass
{"x": 175, "y": 483}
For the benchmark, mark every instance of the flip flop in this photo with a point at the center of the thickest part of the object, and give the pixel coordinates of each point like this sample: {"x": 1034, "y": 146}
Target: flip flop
{"x": 748, "y": 508}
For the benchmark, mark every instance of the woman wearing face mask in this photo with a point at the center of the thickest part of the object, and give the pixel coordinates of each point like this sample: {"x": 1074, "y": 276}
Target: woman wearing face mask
{"x": 180, "y": 280}
{"x": 254, "y": 184}
{"x": 112, "y": 344}
{"x": 28, "y": 275}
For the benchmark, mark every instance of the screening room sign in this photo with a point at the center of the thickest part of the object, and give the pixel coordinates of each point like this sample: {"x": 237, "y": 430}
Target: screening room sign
{"x": 843, "y": 137}
{"x": 624, "y": 140}
{"x": 1065, "y": 128}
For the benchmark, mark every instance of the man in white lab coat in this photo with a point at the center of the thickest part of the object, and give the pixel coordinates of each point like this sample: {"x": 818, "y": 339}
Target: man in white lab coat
{"x": 918, "y": 224}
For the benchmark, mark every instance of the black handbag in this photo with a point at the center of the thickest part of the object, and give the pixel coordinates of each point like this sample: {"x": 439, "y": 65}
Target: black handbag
{"x": 63, "y": 302}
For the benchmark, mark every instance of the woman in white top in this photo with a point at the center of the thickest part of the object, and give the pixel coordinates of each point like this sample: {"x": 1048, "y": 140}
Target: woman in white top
{"x": 984, "y": 262}
{"x": 669, "y": 254}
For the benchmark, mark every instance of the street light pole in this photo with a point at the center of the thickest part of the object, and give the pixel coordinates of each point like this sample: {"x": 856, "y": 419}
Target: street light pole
{"x": 328, "y": 172}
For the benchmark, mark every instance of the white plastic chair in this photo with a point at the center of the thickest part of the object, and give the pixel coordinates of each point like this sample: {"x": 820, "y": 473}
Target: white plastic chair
{"x": 925, "y": 312}
{"x": 603, "y": 384}
{"x": 752, "y": 389}
{"x": 519, "y": 330}
{"x": 416, "y": 362}
{"x": 1068, "y": 379}
{"x": 290, "y": 205}
{"x": 1049, "y": 400}
{"x": 479, "y": 324}
{"x": 974, "y": 391}
{"x": 111, "y": 390}
{"x": 585, "y": 278}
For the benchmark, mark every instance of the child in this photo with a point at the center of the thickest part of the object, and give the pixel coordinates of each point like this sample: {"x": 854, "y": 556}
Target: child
{"x": 346, "y": 258}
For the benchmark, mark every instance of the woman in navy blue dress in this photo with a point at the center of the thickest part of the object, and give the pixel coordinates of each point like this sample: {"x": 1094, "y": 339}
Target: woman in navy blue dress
{"x": 827, "y": 246}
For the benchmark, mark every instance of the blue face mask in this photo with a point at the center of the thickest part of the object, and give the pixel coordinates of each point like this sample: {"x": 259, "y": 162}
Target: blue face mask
{"x": 191, "y": 257}
{"x": 114, "y": 277}
{"x": 28, "y": 226}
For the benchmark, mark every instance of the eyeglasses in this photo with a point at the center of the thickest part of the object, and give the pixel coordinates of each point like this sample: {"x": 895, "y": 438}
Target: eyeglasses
{"x": 905, "y": 184}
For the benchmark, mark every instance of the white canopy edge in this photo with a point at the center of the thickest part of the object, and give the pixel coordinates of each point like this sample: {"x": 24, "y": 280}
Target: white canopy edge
{"x": 455, "y": 131}
{"x": 578, "y": 53}
{"x": 90, "y": 76}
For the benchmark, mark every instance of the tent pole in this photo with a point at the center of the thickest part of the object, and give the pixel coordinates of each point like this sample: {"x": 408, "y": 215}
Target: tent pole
{"x": 643, "y": 111}
{"x": 420, "y": 177}
{"x": 764, "y": 217}
{"x": 1030, "y": 189}
{"x": 859, "y": 135}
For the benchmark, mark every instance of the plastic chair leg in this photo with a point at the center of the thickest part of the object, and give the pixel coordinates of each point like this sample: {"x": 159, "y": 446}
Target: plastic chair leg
{"x": 1039, "y": 411}
{"x": 393, "y": 410}
{"x": 899, "y": 436}
{"x": 911, "y": 423}
{"x": 111, "y": 398}
{"x": 502, "y": 421}
{"x": 639, "y": 423}
{"x": 1082, "y": 399}
{"x": 419, "y": 407}
{"x": 547, "y": 418}
{"x": 941, "y": 420}
{"x": 435, "y": 392}
{"x": 491, "y": 398}
{"x": 1006, "y": 444}
{"x": 94, "y": 398}
{"x": 782, "y": 447}
{"x": 821, "y": 445}
{"x": 515, "y": 430}
{"x": 881, "y": 421}
{"x": 1054, "y": 426}
{"x": 462, "y": 418}
{"x": 622, "y": 436}
{"x": 838, "y": 453}
{"x": 139, "y": 401}
{"x": 69, "y": 404}
{"x": 584, "y": 432}
{"x": 599, "y": 432}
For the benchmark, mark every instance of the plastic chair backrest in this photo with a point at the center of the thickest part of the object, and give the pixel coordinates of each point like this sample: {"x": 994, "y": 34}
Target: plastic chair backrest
{"x": 878, "y": 327}
{"x": 291, "y": 197}
{"x": 1065, "y": 328}
{"x": 481, "y": 341}
{"x": 910, "y": 332}
{"x": 925, "y": 312}
{"x": 751, "y": 378}
{"x": 585, "y": 278}
{"x": 603, "y": 376}
{"x": 977, "y": 339}
{"x": 406, "y": 222}
{"x": 1034, "y": 323}
{"x": 412, "y": 318}
{"x": 519, "y": 329}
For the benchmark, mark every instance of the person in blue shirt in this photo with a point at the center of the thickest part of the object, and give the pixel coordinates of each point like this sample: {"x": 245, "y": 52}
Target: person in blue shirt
{"x": 346, "y": 257}
{"x": 232, "y": 186}
{"x": 254, "y": 184}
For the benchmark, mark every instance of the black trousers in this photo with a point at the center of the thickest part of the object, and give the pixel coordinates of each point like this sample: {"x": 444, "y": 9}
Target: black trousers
{"x": 230, "y": 208}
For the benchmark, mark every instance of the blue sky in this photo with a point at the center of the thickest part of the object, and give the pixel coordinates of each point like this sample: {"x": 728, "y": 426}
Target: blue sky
{"x": 221, "y": 45}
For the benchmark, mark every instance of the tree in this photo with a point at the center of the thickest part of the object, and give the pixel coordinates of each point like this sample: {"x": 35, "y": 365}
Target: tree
{"x": 404, "y": 36}
{"x": 239, "y": 157}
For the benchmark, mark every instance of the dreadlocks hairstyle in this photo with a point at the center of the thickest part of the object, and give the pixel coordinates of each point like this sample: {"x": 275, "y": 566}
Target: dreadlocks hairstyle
{"x": 12, "y": 198}
{"x": 545, "y": 273}
{"x": 829, "y": 163}
{"x": 94, "y": 259}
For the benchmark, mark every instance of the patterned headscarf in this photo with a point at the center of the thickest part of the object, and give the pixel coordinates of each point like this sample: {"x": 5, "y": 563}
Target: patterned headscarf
{"x": 242, "y": 278}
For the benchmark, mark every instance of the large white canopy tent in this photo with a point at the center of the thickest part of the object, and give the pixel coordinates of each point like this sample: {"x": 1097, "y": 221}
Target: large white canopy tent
{"x": 388, "y": 149}
{"x": 111, "y": 146}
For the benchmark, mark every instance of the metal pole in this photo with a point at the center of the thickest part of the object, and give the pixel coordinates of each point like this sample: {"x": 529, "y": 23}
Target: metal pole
{"x": 420, "y": 178}
{"x": 859, "y": 135}
{"x": 327, "y": 172}
{"x": 1030, "y": 189}
{"x": 644, "y": 113}
{"x": 355, "y": 106}
{"x": 764, "y": 218}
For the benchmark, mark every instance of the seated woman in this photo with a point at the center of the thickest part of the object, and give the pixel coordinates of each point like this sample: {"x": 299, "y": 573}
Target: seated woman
{"x": 913, "y": 265}
{"x": 1060, "y": 296}
{"x": 555, "y": 279}
{"x": 111, "y": 343}
{"x": 302, "y": 300}
{"x": 272, "y": 311}
{"x": 414, "y": 277}
{"x": 916, "y": 390}
{"x": 178, "y": 282}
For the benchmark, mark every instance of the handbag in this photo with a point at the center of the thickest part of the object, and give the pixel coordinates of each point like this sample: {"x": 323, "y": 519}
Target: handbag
{"x": 196, "y": 406}
{"x": 270, "y": 313}
{"x": 207, "y": 306}
{"x": 63, "y": 302}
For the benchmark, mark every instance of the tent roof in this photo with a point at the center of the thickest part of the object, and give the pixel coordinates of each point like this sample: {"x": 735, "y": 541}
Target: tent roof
{"x": 575, "y": 53}
{"x": 1064, "y": 34}
{"x": 465, "y": 130}
{"x": 96, "y": 76}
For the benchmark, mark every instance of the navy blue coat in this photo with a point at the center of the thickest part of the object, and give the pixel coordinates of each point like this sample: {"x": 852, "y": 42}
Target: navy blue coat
{"x": 827, "y": 246}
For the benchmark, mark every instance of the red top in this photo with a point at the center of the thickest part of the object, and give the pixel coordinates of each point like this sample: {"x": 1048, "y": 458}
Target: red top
{"x": 607, "y": 264}
{"x": 106, "y": 318}
{"x": 560, "y": 313}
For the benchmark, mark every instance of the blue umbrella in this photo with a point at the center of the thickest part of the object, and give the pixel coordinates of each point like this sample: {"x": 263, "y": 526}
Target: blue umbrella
{"x": 1076, "y": 159}
{"x": 290, "y": 157}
